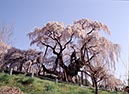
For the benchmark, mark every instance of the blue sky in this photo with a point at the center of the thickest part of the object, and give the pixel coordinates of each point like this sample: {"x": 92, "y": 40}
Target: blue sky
{"x": 25, "y": 15}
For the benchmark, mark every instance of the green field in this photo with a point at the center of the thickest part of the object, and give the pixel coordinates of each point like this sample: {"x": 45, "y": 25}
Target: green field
{"x": 35, "y": 85}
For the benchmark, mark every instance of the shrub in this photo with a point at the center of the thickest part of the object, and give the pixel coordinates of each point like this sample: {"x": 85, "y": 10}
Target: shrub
{"x": 4, "y": 78}
{"x": 49, "y": 87}
{"x": 25, "y": 81}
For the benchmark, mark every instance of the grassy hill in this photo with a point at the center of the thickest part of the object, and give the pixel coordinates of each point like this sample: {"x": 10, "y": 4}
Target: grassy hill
{"x": 35, "y": 85}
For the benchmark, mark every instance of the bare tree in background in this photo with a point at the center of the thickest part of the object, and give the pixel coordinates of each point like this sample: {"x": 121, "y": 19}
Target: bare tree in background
{"x": 5, "y": 40}
{"x": 6, "y": 34}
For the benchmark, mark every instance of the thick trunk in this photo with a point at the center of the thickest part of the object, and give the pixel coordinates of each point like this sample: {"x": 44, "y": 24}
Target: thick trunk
{"x": 56, "y": 63}
{"x": 21, "y": 65}
{"x": 61, "y": 63}
{"x": 49, "y": 71}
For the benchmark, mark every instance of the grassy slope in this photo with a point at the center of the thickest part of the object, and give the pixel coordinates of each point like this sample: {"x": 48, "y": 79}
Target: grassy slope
{"x": 38, "y": 86}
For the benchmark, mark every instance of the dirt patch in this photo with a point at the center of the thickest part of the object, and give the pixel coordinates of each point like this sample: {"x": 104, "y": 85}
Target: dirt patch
{"x": 10, "y": 90}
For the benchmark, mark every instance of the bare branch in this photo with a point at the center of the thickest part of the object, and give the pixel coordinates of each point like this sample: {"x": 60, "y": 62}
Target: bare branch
{"x": 68, "y": 41}
{"x": 90, "y": 31}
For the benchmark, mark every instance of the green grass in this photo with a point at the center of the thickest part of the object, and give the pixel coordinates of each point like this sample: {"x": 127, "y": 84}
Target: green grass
{"x": 37, "y": 86}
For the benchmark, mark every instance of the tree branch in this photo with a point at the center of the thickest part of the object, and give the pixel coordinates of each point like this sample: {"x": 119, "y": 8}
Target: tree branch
{"x": 90, "y": 31}
{"x": 68, "y": 41}
{"x": 57, "y": 41}
{"x": 86, "y": 73}
{"x": 45, "y": 52}
{"x": 53, "y": 48}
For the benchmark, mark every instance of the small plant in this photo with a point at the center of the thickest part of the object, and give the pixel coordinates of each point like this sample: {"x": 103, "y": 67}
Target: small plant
{"x": 49, "y": 87}
{"x": 4, "y": 78}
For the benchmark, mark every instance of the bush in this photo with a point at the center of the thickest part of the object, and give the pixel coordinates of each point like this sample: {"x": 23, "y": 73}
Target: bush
{"x": 4, "y": 78}
{"x": 25, "y": 80}
{"x": 49, "y": 87}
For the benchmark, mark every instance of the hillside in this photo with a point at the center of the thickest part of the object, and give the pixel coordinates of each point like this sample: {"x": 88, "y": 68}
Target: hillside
{"x": 38, "y": 86}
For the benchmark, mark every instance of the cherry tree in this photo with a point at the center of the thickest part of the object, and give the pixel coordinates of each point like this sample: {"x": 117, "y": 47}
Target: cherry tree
{"x": 96, "y": 52}
{"x": 21, "y": 60}
{"x": 81, "y": 43}
{"x": 111, "y": 82}
{"x": 55, "y": 38}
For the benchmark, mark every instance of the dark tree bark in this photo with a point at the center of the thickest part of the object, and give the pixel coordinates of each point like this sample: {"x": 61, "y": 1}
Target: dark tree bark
{"x": 82, "y": 77}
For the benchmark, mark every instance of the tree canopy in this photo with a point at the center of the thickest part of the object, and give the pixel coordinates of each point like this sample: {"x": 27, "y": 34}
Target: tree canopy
{"x": 82, "y": 44}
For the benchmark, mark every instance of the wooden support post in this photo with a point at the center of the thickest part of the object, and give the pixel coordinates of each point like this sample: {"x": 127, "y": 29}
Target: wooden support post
{"x": 11, "y": 71}
{"x": 32, "y": 75}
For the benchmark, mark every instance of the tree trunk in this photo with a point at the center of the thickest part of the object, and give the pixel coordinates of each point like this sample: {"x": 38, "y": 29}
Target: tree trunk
{"x": 21, "y": 65}
{"x": 95, "y": 85}
{"x": 86, "y": 81}
{"x": 61, "y": 63}
{"x": 93, "y": 81}
{"x": 81, "y": 77}
{"x": 65, "y": 76}
{"x": 96, "y": 88}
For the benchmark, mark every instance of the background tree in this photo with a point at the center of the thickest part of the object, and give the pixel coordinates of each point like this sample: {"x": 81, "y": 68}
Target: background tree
{"x": 5, "y": 40}
{"x": 112, "y": 83}
{"x": 21, "y": 60}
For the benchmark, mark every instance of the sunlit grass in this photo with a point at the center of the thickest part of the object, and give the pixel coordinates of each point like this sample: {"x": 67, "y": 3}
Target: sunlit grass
{"x": 37, "y": 86}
